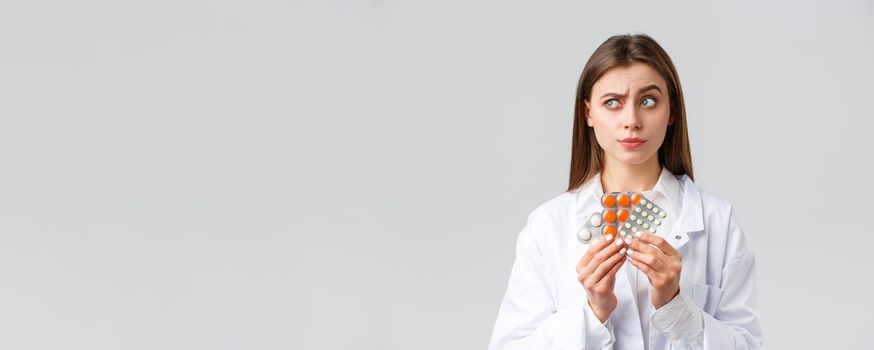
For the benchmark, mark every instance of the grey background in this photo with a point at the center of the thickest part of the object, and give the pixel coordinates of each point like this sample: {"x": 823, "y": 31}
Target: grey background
{"x": 353, "y": 174}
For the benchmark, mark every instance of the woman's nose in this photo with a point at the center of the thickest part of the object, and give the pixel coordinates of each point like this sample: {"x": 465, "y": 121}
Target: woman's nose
{"x": 631, "y": 119}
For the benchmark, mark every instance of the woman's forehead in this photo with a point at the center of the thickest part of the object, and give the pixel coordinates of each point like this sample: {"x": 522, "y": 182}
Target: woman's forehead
{"x": 628, "y": 79}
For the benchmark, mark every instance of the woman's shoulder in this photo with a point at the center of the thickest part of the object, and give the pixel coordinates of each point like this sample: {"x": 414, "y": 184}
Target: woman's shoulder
{"x": 549, "y": 223}
{"x": 719, "y": 218}
{"x": 713, "y": 206}
{"x": 558, "y": 207}
{"x": 697, "y": 200}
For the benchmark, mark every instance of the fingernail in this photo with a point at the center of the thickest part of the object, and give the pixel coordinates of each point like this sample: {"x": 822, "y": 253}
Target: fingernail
{"x": 608, "y": 237}
{"x": 618, "y": 242}
{"x": 622, "y": 251}
{"x": 627, "y": 240}
{"x": 629, "y": 252}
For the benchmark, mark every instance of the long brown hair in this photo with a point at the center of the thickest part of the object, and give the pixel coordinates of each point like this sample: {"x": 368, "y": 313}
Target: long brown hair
{"x": 587, "y": 157}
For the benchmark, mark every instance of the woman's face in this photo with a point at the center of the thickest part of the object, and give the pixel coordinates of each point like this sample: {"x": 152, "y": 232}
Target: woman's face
{"x": 630, "y": 111}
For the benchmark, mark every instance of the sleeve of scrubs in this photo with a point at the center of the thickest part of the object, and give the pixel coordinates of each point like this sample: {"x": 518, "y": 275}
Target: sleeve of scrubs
{"x": 731, "y": 321}
{"x": 528, "y": 319}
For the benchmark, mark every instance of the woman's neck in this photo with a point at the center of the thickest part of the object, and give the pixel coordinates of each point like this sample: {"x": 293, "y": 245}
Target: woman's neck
{"x": 621, "y": 177}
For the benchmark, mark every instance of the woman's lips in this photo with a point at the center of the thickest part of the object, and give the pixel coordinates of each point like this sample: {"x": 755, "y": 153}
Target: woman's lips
{"x": 631, "y": 143}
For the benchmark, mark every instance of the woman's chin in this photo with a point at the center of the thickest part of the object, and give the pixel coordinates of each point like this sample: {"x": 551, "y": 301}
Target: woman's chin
{"x": 632, "y": 158}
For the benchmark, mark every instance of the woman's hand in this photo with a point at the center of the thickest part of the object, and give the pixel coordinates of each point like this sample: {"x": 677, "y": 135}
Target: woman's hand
{"x": 660, "y": 262}
{"x": 596, "y": 271}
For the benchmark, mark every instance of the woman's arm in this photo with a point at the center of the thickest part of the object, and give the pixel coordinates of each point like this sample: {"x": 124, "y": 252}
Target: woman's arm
{"x": 734, "y": 323}
{"x": 528, "y": 318}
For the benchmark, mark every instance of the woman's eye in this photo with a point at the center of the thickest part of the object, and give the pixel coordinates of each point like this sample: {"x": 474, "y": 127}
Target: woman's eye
{"x": 648, "y": 102}
{"x": 612, "y": 103}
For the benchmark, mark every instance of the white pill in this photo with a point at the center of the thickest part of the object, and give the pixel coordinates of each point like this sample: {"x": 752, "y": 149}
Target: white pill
{"x": 584, "y": 235}
{"x": 633, "y": 217}
{"x": 637, "y": 209}
{"x": 622, "y": 233}
{"x": 595, "y": 220}
{"x": 653, "y": 230}
{"x": 651, "y": 218}
{"x": 639, "y": 222}
{"x": 662, "y": 214}
{"x": 634, "y": 229}
{"x": 658, "y": 222}
{"x": 649, "y": 205}
{"x": 645, "y": 226}
{"x": 655, "y": 210}
{"x": 642, "y": 201}
{"x": 627, "y": 225}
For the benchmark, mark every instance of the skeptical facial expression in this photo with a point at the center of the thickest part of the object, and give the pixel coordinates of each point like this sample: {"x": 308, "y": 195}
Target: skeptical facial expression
{"x": 629, "y": 109}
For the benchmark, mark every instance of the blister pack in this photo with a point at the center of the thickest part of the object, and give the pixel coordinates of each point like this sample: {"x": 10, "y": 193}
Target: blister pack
{"x": 623, "y": 213}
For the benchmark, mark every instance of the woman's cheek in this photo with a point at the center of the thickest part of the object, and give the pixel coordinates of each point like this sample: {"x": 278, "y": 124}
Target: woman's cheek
{"x": 603, "y": 137}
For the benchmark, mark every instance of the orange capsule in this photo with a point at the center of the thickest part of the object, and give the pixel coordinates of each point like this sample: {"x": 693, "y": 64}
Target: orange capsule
{"x": 609, "y": 230}
{"x": 624, "y": 201}
{"x": 636, "y": 198}
{"x": 608, "y": 200}
{"x": 623, "y": 215}
{"x": 609, "y": 216}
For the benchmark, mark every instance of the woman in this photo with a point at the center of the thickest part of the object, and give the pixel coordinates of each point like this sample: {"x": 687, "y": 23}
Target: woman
{"x": 690, "y": 285}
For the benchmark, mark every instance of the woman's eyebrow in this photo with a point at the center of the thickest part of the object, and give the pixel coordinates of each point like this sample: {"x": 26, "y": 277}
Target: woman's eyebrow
{"x": 639, "y": 91}
{"x": 613, "y": 94}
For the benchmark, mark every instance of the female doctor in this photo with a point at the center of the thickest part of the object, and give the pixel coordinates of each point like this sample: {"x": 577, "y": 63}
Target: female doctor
{"x": 690, "y": 285}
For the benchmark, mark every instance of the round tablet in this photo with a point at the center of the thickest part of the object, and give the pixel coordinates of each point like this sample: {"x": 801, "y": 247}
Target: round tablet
{"x": 663, "y": 214}
{"x": 623, "y": 214}
{"x": 655, "y": 210}
{"x": 609, "y": 230}
{"x": 633, "y": 217}
{"x": 595, "y": 219}
{"x": 608, "y": 200}
{"x": 645, "y": 225}
{"x": 658, "y": 222}
{"x": 623, "y": 233}
{"x": 609, "y": 216}
{"x": 637, "y": 209}
{"x": 627, "y": 225}
{"x": 639, "y": 222}
{"x": 584, "y": 235}
{"x": 642, "y": 201}
{"x": 624, "y": 200}
{"x": 649, "y": 205}
{"x": 651, "y": 218}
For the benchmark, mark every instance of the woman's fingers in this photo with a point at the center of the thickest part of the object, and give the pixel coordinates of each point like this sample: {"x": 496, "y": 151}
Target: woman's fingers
{"x": 611, "y": 275}
{"x": 596, "y": 247}
{"x": 639, "y": 246}
{"x": 602, "y": 269}
{"x": 601, "y": 256}
{"x": 659, "y": 242}
{"x": 662, "y": 265}
{"x": 652, "y": 267}
{"x": 650, "y": 273}
{"x": 599, "y": 252}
